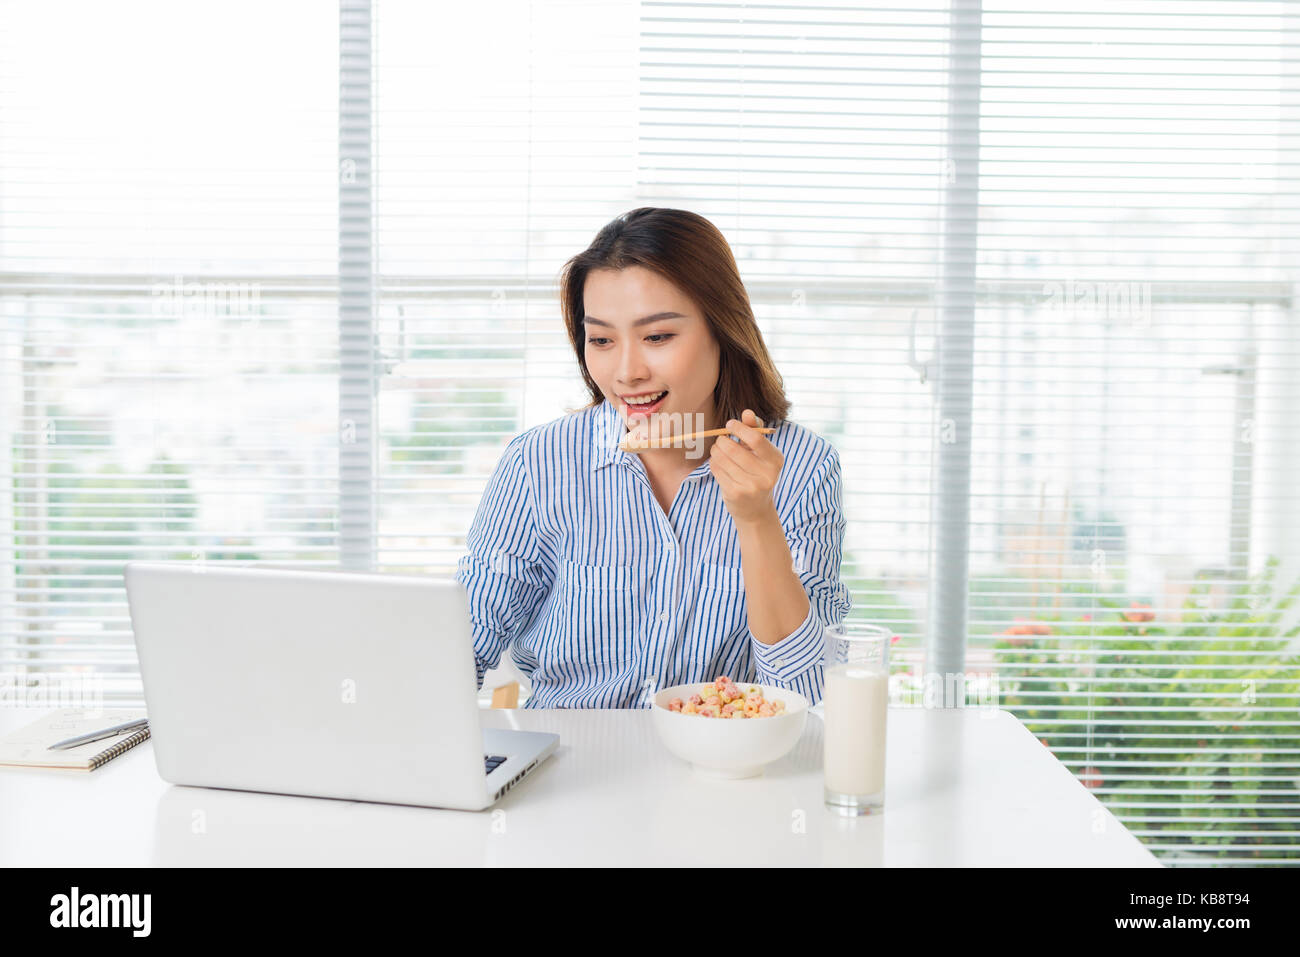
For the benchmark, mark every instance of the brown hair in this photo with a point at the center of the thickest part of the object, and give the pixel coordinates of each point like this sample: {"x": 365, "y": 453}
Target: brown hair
{"x": 690, "y": 252}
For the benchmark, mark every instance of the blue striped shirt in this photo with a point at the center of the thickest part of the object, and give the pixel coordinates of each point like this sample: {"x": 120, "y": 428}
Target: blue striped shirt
{"x": 601, "y": 599}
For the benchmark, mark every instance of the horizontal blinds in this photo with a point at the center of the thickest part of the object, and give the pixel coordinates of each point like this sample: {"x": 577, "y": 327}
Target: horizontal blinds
{"x": 1133, "y": 525}
{"x": 495, "y": 163}
{"x": 168, "y": 350}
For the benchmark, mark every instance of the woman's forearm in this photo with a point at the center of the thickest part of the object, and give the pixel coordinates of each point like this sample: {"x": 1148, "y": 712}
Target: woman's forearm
{"x": 776, "y": 601}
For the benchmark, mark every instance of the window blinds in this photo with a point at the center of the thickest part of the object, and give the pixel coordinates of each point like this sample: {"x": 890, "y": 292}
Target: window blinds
{"x": 1089, "y": 214}
{"x": 168, "y": 341}
{"x": 1133, "y": 494}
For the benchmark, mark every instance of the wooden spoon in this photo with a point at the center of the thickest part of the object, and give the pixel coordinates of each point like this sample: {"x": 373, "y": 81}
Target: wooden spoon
{"x": 668, "y": 442}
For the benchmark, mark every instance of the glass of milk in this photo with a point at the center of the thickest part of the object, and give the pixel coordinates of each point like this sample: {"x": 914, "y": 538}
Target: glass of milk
{"x": 854, "y": 707}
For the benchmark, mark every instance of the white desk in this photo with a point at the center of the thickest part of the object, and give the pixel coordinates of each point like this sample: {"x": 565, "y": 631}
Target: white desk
{"x": 962, "y": 788}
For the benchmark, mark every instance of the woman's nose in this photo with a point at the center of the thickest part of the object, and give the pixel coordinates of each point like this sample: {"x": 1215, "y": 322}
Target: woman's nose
{"x": 631, "y": 365}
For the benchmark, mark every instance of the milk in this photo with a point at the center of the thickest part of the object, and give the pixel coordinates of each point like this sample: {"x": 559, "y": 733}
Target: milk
{"x": 854, "y": 713}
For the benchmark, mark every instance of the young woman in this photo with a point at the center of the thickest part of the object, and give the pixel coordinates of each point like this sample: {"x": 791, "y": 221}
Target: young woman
{"x": 608, "y": 574}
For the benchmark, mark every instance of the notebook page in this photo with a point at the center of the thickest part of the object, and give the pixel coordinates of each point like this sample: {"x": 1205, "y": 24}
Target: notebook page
{"x": 29, "y": 745}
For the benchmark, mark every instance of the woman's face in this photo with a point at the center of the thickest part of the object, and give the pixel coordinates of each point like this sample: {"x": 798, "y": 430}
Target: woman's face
{"x": 676, "y": 352}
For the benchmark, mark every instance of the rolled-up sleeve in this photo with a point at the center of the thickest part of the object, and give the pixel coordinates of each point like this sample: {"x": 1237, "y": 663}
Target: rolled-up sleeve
{"x": 507, "y": 571}
{"x": 815, "y": 534}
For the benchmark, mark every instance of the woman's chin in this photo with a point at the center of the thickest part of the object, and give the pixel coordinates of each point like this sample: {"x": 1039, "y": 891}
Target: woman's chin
{"x": 655, "y": 426}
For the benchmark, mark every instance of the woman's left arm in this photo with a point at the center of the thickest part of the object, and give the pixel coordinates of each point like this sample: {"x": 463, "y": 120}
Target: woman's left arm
{"x": 787, "y": 626}
{"x": 775, "y": 598}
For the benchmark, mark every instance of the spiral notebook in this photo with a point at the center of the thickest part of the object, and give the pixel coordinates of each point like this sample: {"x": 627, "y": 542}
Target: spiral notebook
{"x": 28, "y": 747}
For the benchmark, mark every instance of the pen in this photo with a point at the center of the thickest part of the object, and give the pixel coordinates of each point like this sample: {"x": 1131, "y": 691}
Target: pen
{"x": 96, "y": 735}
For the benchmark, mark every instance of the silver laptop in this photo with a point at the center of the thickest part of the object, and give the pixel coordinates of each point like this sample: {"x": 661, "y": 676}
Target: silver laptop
{"x": 334, "y": 684}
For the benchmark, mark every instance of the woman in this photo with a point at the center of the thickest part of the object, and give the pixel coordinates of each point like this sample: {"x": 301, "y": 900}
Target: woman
{"x": 611, "y": 574}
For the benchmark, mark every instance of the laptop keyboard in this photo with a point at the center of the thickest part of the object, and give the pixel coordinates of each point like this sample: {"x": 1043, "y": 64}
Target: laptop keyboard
{"x": 491, "y": 762}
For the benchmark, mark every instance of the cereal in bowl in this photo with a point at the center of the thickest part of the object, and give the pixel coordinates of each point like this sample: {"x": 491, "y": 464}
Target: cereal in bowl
{"x": 723, "y": 698}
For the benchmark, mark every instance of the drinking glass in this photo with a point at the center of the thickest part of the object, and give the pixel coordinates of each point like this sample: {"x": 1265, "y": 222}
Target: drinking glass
{"x": 854, "y": 707}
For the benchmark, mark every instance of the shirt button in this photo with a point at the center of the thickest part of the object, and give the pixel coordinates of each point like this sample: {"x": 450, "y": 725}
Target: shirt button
{"x": 663, "y": 616}
{"x": 780, "y": 662}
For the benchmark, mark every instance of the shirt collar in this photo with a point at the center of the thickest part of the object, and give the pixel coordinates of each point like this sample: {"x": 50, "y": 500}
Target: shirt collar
{"x": 607, "y": 433}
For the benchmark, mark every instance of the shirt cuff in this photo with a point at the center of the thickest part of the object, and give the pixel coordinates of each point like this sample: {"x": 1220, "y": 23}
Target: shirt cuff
{"x": 793, "y": 655}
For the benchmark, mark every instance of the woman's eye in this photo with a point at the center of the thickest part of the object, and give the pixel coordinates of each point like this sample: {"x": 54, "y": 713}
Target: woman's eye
{"x": 658, "y": 335}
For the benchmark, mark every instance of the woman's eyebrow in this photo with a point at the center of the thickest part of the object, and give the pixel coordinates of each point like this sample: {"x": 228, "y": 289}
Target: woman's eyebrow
{"x": 588, "y": 320}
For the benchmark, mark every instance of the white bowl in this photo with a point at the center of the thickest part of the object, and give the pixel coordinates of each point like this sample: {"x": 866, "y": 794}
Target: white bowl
{"x": 729, "y": 747}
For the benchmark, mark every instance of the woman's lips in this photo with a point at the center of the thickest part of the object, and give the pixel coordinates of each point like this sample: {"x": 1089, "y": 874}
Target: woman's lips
{"x": 644, "y": 410}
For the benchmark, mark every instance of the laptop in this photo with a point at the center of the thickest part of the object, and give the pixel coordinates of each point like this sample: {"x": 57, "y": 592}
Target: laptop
{"x": 338, "y": 684}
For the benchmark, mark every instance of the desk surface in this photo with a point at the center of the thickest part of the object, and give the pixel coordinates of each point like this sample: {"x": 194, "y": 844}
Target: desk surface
{"x": 963, "y": 787}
